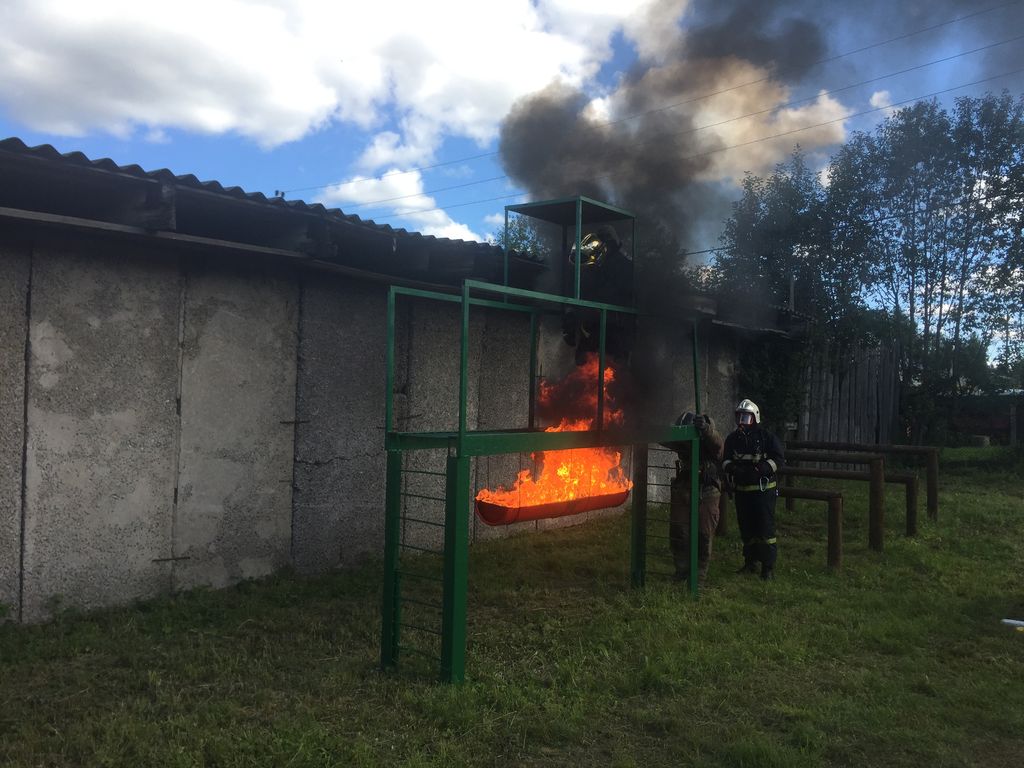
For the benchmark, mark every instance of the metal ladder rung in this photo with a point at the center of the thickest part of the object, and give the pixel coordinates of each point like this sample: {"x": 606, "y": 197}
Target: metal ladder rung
{"x": 421, "y": 549}
{"x": 418, "y": 628}
{"x": 424, "y": 603}
{"x": 420, "y": 496}
{"x": 423, "y": 472}
{"x": 414, "y": 575}
{"x": 423, "y": 522}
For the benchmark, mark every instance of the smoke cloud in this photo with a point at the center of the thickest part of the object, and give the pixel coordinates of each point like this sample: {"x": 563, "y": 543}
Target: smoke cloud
{"x": 658, "y": 146}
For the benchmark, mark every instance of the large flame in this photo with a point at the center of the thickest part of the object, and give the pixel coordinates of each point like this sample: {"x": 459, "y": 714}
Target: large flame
{"x": 574, "y": 473}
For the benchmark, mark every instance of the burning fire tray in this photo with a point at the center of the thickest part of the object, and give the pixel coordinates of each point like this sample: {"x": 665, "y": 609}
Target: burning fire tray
{"x": 496, "y": 514}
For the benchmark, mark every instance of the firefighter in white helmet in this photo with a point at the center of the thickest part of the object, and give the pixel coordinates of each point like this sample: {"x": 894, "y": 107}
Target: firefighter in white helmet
{"x": 751, "y": 461}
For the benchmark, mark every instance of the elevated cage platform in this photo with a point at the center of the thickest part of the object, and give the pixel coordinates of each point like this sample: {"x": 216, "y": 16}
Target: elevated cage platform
{"x": 429, "y": 501}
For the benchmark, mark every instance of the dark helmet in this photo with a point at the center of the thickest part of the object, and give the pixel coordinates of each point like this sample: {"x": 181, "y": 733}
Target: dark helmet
{"x": 685, "y": 419}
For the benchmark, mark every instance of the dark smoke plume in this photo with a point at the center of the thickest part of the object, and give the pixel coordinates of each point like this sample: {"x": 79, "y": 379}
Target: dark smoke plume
{"x": 651, "y": 164}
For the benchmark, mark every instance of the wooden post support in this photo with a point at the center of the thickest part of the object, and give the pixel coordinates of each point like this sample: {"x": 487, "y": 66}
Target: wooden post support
{"x": 912, "y": 507}
{"x": 789, "y": 481}
{"x": 876, "y": 505}
{"x": 835, "y": 532}
{"x": 834, "y": 499}
{"x": 933, "y": 484}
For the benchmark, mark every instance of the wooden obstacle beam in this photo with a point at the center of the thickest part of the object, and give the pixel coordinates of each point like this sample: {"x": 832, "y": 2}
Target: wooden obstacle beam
{"x": 835, "y": 519}
{"x": 907, "y": 480}
{"x": 929, "y": 452}
{"x": 876, "y": 483}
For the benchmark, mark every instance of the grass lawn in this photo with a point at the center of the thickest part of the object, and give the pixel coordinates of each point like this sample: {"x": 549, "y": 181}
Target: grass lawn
{"x": 898, "y": 660}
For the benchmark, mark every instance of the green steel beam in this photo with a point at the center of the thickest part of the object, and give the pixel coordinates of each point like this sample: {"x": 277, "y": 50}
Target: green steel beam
{"x": 602, "y": 338}
{"x": 532, "y": 416}
{"x": 550, "y": 298}
{"x": 464, "y": 371}
{"x": 389, "y": 363}
{"x": 696, "y": 370}
{"x": 451, "y": 298}
{"x": 389, "y": 636}
{"x": 579, "y": 246}
{"x": 456, "y": 571}
{"x": 694, "y": 510}
{"x": 638, "y": 521}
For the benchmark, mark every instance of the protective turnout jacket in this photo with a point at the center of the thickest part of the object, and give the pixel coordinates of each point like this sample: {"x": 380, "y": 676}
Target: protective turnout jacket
{"x": 752, "y": 457}
{"x": 710, "y": 456}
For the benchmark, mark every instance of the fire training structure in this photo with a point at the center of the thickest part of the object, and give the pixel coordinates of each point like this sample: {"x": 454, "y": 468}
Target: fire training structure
{"x": 583, "y": 485}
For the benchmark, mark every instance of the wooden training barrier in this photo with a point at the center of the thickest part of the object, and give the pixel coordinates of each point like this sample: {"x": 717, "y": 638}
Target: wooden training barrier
{"x": 876, "y": 490}
{"x": 835, "y": 519}
{"x": 929, "y": 452}
{"x": 907, "y": 480}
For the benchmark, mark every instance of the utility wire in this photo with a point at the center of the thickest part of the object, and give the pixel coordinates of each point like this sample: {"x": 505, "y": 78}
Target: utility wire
{"x": 718, "y": 124}
{"x": 283, "y": 192}
{"x": 963, "y": 203}
{"x": 741, "y": 144}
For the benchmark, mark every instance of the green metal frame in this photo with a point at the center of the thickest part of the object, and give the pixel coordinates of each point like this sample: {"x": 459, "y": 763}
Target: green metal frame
{"x": 463, "y": 444}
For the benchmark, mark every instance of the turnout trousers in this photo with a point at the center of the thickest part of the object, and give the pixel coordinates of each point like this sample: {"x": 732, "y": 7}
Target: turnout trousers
{"x": 755, "y": 514}
{"x": 679, "y": 526}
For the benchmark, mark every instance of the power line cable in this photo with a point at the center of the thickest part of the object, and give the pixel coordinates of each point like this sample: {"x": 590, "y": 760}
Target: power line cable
{"x": 741, "y": 144}
{"x": 718, "y": 124}
{"x": 283, "y": 192}
{"x": 963, "y": 203}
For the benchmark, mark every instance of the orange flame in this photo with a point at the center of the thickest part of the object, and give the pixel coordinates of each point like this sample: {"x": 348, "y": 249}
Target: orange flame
{"x": 577, "y": 472}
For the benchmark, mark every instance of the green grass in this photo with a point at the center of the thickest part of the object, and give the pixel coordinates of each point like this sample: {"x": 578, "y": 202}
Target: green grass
{"x": 898, "y": 660}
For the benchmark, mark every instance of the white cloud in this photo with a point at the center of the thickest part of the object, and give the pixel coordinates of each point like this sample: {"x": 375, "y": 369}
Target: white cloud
{"x": 396, "y": 194}
{"x": 276, "y": 70}
{"x": 495, "y": 219}
{"x": 881, "y": 99}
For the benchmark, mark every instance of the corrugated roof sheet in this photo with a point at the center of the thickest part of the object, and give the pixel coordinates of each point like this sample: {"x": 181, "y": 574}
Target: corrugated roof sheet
{"x": 48, "y": 152}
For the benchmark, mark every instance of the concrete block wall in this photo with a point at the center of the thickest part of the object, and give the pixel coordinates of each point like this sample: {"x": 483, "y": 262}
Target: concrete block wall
{"x": 147, "y": 372}
{"x": 14, "y": 280}
{"x": 233, "y": 517}
{"x": 339, "y": 438}
{"x": 102, "y": 427}
{"x": 194, "y": 420}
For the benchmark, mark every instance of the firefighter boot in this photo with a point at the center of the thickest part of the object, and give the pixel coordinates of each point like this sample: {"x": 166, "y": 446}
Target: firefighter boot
{"x": 749, "y": 558}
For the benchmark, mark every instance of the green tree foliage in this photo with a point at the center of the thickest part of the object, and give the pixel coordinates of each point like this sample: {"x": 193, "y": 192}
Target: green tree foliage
{"x": 919, "y": 224}
{"x": 522, "y": 236}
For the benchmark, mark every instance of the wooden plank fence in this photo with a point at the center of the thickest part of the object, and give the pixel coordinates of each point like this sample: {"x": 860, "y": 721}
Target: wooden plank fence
{"x": 853, "y": 400}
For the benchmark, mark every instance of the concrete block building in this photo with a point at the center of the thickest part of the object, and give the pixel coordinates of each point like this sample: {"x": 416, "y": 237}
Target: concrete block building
{"x": 192, "y": 378}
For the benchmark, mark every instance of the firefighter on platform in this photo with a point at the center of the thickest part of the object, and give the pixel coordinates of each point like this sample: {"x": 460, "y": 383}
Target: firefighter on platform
{"x": 709, "y": 455}
{"x": 751, "y": 461}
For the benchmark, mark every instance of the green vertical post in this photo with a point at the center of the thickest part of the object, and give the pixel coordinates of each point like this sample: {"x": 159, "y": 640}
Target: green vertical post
{"x": 696, "y": 371}
{"x": 579, "y": 245}
{"x": 456, "y": 570}
{"x": 389, "y": 634}
{"x": 533, "y": 369}
{"x": 389, "y": 365}
{"x": 638, "y": 524}
{"x": 463, "y": 369}
{"x": 504, "y": 248}
{"x": 694, "y": 509}
{"x": 694, "y": 469}
{"x": 602, "y": 337}
{"x": 632, "y": 258}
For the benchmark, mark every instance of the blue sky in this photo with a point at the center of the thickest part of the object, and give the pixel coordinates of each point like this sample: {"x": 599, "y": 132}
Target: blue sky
{"x": 344, "y": 104}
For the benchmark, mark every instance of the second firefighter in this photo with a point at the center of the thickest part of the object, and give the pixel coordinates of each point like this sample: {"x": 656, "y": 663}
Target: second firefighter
{"x": 710, "y": 453}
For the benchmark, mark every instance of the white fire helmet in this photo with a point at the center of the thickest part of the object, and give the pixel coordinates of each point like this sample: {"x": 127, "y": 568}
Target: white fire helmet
{"x": 747, "y": 406}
